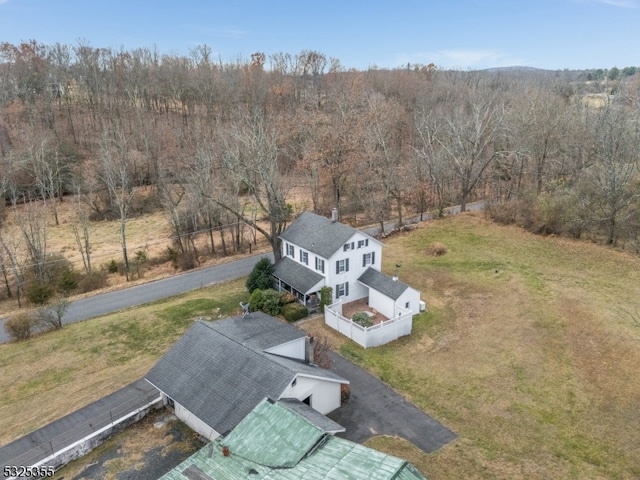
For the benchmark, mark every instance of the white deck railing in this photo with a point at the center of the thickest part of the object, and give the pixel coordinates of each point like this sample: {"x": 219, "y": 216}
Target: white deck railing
{"x": 373, "y": 336}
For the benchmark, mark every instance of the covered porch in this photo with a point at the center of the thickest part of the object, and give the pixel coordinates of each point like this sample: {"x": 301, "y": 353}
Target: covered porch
{"x": 290, "y": 276}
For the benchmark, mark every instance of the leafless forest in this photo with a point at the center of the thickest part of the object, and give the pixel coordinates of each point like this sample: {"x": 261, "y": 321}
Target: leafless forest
{"x": 219, "y": 146}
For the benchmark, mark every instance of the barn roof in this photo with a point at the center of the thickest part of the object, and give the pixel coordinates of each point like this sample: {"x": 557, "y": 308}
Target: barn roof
{"x": 220, "y": 372}
{"x": 275, "y": 443}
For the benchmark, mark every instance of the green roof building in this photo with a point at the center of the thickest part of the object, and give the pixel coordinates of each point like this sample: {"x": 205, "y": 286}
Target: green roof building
{"x": 273, "y": 442}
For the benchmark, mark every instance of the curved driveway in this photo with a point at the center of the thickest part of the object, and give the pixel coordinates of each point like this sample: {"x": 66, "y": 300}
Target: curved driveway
{"x": 376, "y": 409}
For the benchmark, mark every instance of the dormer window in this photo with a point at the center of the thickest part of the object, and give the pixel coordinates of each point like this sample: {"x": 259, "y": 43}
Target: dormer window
{"x": 348, "y": 246}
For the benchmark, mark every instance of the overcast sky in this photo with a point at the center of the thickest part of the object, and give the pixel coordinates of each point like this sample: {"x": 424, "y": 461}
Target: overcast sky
{"x": 461, "y": 34}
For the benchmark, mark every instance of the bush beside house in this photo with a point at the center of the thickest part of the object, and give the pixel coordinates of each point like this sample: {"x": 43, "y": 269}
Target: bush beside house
{"x": 261, "y": 276}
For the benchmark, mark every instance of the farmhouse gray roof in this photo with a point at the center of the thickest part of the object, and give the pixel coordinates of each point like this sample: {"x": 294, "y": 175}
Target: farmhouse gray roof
{"x": 298, "y": 276}
{"x": 382, "y": 283}
{"x": 220, "y": 379}
{"x": 318, "y": 234}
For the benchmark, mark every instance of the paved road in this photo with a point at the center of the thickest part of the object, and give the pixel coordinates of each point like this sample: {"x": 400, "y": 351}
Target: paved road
{"x": 376, "y": 409}
{"x": 105, "y": 303}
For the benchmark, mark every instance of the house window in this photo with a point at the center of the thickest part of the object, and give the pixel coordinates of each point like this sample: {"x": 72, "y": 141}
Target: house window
{"x": 348, "y": 246}
{"x": 304, "y": 257}
{"x": 342, "y": 290}
{"x": 342, "y": 266}
{"x": 406, "y": 305}
{"x": 319, "y": 264}
{"x": 290, "y": 250}
{"x": 363, "y": 243}
{"x": 368, "y": 259}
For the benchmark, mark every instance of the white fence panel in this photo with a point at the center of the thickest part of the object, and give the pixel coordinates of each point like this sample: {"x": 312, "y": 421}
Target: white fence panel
{"x": 373, "y": 336}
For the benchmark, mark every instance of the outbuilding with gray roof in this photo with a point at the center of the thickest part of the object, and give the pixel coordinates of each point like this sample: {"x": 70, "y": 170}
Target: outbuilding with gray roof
{"x": 218, "y": 371}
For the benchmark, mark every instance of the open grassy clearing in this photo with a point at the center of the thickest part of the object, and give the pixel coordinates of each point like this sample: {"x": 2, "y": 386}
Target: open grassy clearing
{"x": 51, "y": 375}
{"x": 523, "y": 353}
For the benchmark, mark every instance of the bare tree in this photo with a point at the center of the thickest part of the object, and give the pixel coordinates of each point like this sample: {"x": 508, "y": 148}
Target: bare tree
{"x": 81, "y": 229}
{"x": 116, "y": 174}
{"x": 614, "y": 152}
{"x": 431, "y": 160}
{"x": 32, "y": 222}
{"x": 471, "y": 129}
{"x": 385, "y": 137}
{"x": 251, "y": 158}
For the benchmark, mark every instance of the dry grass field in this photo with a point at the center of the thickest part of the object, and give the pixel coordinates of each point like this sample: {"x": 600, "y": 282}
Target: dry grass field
{"x": 51, "y": 375}
{"x": 525, "y": 353}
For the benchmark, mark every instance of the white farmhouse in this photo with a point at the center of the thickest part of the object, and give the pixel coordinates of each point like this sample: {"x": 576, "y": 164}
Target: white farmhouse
{"x": 318, "y": 252}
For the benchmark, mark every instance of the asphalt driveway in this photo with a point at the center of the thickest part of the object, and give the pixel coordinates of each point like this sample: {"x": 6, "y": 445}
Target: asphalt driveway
{"x": 376, "y": 409}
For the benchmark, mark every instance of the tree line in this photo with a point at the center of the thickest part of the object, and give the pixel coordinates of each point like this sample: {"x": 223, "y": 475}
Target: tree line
{"x": 221, "y": 145}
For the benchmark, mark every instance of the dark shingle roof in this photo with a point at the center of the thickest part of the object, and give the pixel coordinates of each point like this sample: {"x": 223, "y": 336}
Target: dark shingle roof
{"x": 221, "y": 379}
{"x": 216, "y": 378}
{"x": 383, "y": 283}
{"x": 257, "y": 330}
{"x": 318, "y": 234}
{"x": 296, "y": 275}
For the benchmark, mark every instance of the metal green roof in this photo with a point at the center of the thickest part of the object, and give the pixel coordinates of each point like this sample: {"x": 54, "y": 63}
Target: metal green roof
{"x": 274, "y": 443}
{"x": 283, "y": 444}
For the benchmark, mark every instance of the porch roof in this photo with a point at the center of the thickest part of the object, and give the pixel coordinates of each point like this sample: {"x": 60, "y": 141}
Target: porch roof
{"x": 382, "y": 283}
{"x": 299, "y": 277}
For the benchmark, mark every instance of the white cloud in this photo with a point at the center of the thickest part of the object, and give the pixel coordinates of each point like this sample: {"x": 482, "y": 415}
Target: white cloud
{"x": 461, "y": 59}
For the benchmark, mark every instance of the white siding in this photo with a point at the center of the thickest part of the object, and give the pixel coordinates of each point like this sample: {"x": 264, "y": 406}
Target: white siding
{"x": 412, "y": 296}
{"x": 293, "y": 349}
{"x": 325, "y": 394}
{"x": 382, "y": 303}
{"x": 356, "y": 290}
{"x": 194, "y": 422}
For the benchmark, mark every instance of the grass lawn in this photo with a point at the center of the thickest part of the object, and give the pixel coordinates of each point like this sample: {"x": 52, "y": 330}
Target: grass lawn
{"x": 51, "y": 375}
{"x": 524, "y": 353}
